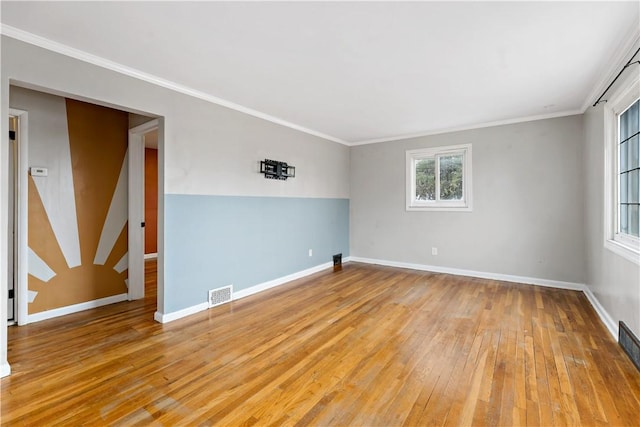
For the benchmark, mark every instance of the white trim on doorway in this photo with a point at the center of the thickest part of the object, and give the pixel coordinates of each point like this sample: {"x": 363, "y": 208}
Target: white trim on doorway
{"x": 136, "y": 207}
{"x": 21, "y": 217}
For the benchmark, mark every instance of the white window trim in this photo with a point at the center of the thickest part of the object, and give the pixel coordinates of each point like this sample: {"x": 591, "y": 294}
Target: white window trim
{"x": 623, "y": 245}
{"x": 464, "y": 205}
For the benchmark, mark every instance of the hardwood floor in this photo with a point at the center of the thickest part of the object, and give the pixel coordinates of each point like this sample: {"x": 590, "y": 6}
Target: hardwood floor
{"x": 367, "y": 345}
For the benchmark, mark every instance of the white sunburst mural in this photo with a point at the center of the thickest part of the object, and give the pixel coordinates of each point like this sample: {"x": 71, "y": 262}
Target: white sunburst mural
{"x": 78, "y": 212}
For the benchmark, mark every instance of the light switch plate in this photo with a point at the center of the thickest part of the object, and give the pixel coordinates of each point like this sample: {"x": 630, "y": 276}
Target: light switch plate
{"x": 38, "y": 171}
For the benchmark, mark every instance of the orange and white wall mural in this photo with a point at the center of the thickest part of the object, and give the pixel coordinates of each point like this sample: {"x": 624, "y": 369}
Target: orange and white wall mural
{"x": 77, "y": 214}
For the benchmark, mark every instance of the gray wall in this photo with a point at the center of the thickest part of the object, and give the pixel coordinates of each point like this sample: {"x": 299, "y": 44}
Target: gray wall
{"x": 614, "y": 280}
{"x": 209, "y": 149}
{"x": 527, "y": 217}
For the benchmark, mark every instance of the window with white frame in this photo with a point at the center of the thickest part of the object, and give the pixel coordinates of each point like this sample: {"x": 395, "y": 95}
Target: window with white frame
{"x": 623, "y": 173}
{"x": 629, "y": 171}
{"x": 439, "y": 178}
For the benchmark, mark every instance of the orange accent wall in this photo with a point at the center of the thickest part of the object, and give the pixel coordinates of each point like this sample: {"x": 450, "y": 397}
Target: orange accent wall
{"x": 98, "y": 138}
{"x": 151, "y": 200}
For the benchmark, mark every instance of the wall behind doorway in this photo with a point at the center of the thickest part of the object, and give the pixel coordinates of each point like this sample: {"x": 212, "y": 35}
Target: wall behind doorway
{"x": 77, "y": 214}
{"x": 151, "y": 200}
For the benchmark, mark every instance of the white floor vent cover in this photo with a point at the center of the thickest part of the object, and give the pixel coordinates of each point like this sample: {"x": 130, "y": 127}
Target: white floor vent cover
{"x": 220, "y": 295}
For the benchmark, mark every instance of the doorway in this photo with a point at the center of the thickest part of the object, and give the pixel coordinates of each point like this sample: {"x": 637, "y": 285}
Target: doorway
{"x": 12, "y": 308}
{"x": 138, "y": 137}
{"x": 18, "y": 248}
{"x": 151, "y": 195}
{"x": 17, "y": 297}
{"x": 85, "y": 171}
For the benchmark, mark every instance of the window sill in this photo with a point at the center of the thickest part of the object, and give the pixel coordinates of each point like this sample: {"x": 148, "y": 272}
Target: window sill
{"x": 622, "y": 250}
{"x": 439, "y": 209}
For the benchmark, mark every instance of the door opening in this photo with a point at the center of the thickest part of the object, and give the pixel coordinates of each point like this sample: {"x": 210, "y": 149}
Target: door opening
{"x": 137, "y": 137}
{"x": 151, "y": 195}
{"x": 12, "y": 308}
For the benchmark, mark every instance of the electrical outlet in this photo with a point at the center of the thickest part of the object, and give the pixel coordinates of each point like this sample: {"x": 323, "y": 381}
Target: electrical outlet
{"x": 434, "y": 251}
{"x": 310, "y": 252}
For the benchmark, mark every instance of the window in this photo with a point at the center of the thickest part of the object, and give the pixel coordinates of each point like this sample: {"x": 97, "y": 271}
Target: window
{"x": 439, "y": 178}
{"x": 629, "y": 169}
{"x": 623, "y": 173}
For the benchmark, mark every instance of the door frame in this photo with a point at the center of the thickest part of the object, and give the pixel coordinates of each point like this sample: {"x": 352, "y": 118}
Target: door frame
{"x": 136, "y": 207}
{"x": 21, "y": 217}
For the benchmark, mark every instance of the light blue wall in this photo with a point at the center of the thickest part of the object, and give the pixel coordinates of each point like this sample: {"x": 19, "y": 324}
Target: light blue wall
{"x": 214, "y": 241}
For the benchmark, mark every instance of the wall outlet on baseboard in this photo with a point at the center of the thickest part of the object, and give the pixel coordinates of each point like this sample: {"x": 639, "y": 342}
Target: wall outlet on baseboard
{"x": 310, "y": 252}
{"x": 434, "y": 251}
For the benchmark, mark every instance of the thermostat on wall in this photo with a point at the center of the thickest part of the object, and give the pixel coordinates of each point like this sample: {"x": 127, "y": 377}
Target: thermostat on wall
{"x": 39, "y": 171}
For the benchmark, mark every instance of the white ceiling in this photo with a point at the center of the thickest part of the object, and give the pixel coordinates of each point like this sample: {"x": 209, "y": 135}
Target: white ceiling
{"x": 359, "y": 71}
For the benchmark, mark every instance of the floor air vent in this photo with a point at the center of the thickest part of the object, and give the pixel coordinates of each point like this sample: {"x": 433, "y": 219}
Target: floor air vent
{"x": 630, "y": 344}
{"x": 337, "y": 262}
{"x": 220, "y": 295}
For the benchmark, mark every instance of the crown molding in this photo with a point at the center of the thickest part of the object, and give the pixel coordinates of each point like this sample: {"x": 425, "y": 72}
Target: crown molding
{"x": 616, "y": 61}
{"x": 81, "y": 55}
{"x": 470, "y": 127}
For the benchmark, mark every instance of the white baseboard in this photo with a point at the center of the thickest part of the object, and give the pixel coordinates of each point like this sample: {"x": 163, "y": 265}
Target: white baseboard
{"x": 602, "y": 313}
{"x": 165, "y": 318}
{"x": 611, "y": 326}
{"x": 5, "y": 370}
{"x": 151, "y": 256}
{"x": 175, "y": 315}
{"x": 472, "y": 273}
{"x": 279, "y": 281}
{"x": 49, "y": 314}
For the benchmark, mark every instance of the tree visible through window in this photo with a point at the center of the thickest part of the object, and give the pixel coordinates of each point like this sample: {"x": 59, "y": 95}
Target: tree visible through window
{"x": 451, "y": 170}
{"x": 426, "y": 179}
{"x": 451, "y": 177}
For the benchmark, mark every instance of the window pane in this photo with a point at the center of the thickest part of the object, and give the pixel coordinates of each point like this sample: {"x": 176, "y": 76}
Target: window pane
{"x": 632, "y": 153}
{"x": 638, "y": 111}
{"x": 633, "y": 186}
{"x": 624, "y": 150}
{"x": 624, "y": 178}
{"x": 632, "y": 120}
{"x": 624, "y": 224}
{"x": 633, "y": 220}
{"x": 451, "y": 177}
{"x": 624, "y": 122}
{"x": 426, "y": 179}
